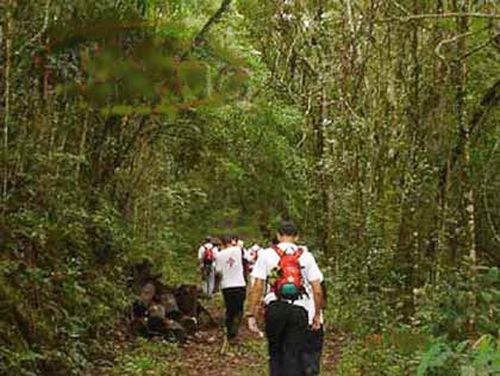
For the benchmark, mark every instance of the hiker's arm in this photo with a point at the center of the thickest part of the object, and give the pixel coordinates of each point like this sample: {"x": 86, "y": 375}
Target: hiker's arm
{"x": 318, "y": 303}
{"x": 314, "y": 276}
{"x": 255, "y": 296}
{"x": 259, "y": 275}
{"x": 253, "y": 301}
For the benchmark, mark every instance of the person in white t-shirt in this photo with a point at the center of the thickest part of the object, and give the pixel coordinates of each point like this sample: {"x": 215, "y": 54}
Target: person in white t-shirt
{"x": 289, "y": 309}
{"x": 207, "y": 254}
{"x": 229, "y": 265}
{"x": 250, "y": 257}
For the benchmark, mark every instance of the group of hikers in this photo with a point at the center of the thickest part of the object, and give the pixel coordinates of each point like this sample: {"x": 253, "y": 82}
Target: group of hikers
{"x": 285, "y": 282}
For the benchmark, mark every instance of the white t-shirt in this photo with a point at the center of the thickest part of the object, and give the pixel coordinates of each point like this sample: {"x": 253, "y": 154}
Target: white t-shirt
{"x": 204, "y": 247}
{"x": 230, "y": 264}
{"x": 269, "y": 259}
{"x": 251, "y": 254}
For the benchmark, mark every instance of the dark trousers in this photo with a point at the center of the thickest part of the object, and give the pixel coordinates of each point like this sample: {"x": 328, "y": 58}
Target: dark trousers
{"x": 311, "y": 356}
{"x": 234, "y": 300}
{"x": 286, "y": 326}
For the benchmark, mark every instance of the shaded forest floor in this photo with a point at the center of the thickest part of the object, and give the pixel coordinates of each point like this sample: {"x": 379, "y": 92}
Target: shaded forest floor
{"x": 203, "y": 354}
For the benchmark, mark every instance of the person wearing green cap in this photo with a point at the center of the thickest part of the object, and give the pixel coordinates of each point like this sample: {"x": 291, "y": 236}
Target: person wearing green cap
{"x": 290, "y": 270}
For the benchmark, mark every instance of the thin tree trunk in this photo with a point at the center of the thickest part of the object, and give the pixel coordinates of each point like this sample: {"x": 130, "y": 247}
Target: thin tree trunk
{"x": 81, "y": 152}
{"x": 443, "y": 186}
{"x": 7, "y": 32}
{"x": 464, "y": 131}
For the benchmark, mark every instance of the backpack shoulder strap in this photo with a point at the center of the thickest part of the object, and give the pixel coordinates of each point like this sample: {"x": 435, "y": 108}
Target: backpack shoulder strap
{"x": 299, "y": 252}
{"x": 206, "y": 249}
{"x": 278, "y": 251}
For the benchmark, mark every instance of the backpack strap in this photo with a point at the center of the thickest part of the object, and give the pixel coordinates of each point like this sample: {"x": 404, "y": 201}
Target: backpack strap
{"x": 211, "y": 249}
{"x": 278, "y": 251}
{"x": 298, "y": 252}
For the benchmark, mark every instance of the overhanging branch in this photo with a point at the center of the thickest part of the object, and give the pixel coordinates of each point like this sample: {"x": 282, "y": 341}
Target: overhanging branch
{"x": 424, "y": 16}
{"x": 200, "y": 37}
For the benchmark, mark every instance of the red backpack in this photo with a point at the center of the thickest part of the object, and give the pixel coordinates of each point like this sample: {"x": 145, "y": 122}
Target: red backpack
{"x": 288, "y": 284}
{"x": 208, "y": 255}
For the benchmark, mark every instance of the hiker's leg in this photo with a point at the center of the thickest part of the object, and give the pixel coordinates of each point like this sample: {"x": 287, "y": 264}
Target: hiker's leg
{"x": 240, "y": 296}
{"x": 205, "y": 281}
{"x": 211, "y": 282}
{"x": 311, "y": 357}
{"x": 294, "y": 340}
{"x": 232, "y": 313}
{"x": 227, "y": 303}
{"x": 275, "y": 319}
{"x": 231, "y": 297}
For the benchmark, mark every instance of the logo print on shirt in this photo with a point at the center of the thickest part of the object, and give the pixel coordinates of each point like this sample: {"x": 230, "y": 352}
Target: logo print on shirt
{"x": 231, "y": 262}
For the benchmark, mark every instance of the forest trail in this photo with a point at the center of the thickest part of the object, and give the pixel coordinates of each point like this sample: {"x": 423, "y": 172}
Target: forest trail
{"x": 203, "y": 354}
{"x": 133, "y": 129}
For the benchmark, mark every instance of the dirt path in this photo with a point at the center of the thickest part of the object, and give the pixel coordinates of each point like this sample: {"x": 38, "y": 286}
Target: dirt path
{"x": 204, "y": 354}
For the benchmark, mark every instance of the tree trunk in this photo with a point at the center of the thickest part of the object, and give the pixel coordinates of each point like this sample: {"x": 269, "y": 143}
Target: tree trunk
{"x": 464, "y": 134}
{"x": 7, "y": 32}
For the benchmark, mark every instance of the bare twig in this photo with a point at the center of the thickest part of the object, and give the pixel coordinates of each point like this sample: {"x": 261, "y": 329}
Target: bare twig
{"x": 40, "y": 33}
{"x": 478, "y": 47}
{"x": 456, "y": 38}
{"x": 302, "y": 140}
{"x": 424, "y": 16}
{"x": 289, "y": 56}
{"x": 400, "y": 7}
{"x": 437, "y": 50}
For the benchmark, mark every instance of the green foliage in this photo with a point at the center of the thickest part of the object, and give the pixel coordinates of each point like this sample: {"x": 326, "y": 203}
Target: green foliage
{"x": 388, "y": 355}
{"x": 480, "y": 358}
{"x": 131, "y": 131}
{"x": 55, "y": 289}
{"x": 444, "y": 308}
{"x": 375, "y": 356}
{"x": 125, "y": 143}
{"x": 148, "y": 357}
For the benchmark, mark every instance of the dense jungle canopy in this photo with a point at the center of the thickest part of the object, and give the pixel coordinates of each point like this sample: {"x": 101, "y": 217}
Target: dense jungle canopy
{"x": 131, "y": 129}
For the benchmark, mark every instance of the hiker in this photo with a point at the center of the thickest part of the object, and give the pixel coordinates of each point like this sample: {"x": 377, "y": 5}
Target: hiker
{"x": 250, "y": 258}
{"x": 207, "y": 254}
{"x": 313, "y": 349}
{"x": 229, "y": 265}
{"x": 291, "y": 271}
{"x": 235, "y": 241}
